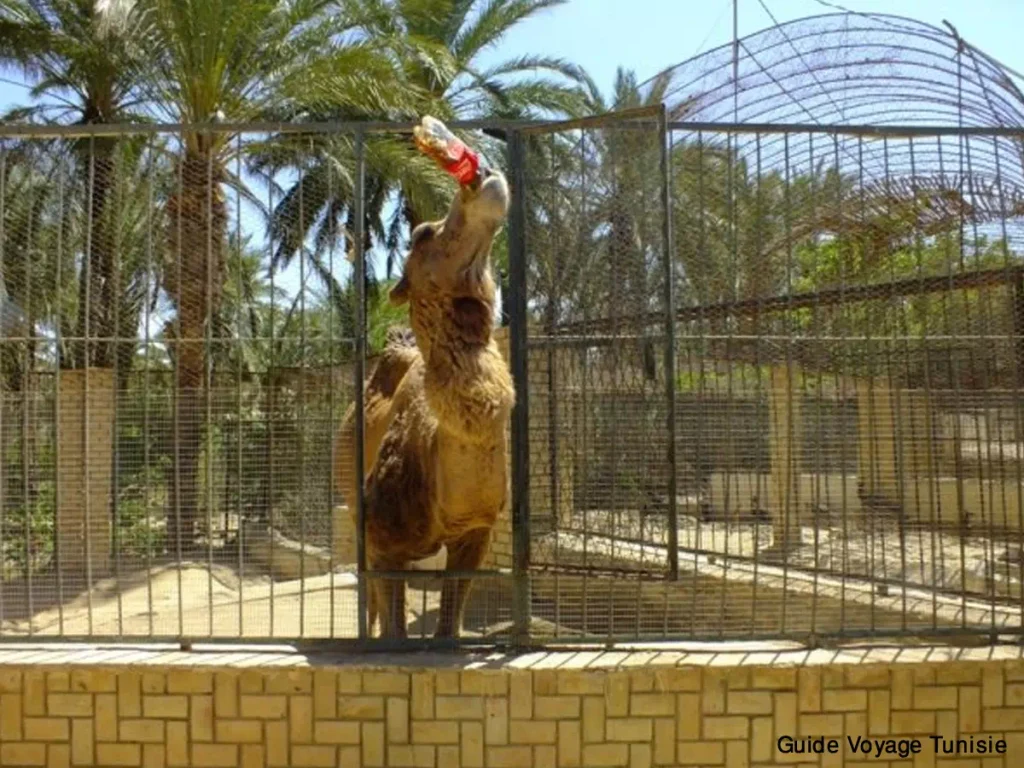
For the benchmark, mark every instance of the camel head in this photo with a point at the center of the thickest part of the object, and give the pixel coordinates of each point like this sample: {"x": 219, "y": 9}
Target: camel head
{"x": 447, "y": 280}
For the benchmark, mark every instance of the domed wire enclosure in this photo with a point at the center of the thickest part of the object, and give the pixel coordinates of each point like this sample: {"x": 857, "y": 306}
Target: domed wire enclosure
{"x": 826, "y": 439}
{"x": 767, "y": 334}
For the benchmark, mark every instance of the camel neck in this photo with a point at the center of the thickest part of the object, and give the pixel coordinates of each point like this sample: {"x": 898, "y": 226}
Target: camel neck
{"x": 468, "y": 388}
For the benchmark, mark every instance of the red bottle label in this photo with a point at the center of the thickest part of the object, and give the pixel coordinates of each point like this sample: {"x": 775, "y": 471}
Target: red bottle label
{"x": 464, "y": 169}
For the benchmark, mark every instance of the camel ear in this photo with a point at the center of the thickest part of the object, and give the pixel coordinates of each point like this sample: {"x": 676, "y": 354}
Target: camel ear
{"x": 472, "y": 319}
{"x": 399, "y": 295}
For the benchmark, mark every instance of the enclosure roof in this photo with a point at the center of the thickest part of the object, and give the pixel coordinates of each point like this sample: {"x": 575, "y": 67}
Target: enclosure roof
{"x": 847, "y": 68}
{"x": 867, "y": 70}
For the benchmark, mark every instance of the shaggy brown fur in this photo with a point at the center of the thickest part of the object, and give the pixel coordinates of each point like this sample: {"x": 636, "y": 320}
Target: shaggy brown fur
{"x": 436, "y": 414}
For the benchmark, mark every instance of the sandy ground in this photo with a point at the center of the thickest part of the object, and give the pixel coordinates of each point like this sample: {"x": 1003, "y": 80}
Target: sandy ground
{"x": 939, "y": 560}
{"x": 202, "y": 600}
{"x": 192, "y": 601}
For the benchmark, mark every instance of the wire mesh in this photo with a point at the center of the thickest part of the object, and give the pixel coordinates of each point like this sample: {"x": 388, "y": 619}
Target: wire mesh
{"x": 846, "y": 378}
{"x": 595, "y": 250}
{"x": 773, "y": 384}
{"x": 174, "y": 370}
{"x": 186, "y": 316}
{"x": 854, "y": 69}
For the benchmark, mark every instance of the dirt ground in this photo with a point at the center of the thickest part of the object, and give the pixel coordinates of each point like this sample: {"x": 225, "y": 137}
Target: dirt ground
{"x": 210, "y": 600}
{"x": 194, "y": 601}
{"x": 939, "y": 559}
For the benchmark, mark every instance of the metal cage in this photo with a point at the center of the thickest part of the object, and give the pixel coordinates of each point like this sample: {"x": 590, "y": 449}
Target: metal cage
{"x": 766, "y": 338}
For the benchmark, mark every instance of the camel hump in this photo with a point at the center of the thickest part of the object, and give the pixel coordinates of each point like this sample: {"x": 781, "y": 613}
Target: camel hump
{"x": 398, "y": 355}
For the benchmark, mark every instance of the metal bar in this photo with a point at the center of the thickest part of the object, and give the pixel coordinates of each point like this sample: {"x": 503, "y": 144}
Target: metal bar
{"x": 312, "y": 647}
{"x": 866, "y": 131}
{"x": 433, "y": 573}
{"x": 302, "y": 402}
{"x": 584, "y": 378}
{"x": 518, "y": 332}
{"x": 815, "y": 500}
{"x": 508, "y": 126}
{"x": 239, "y": 356}
{"x": 272, "y": 398}
{"x": 869, "y": 533}
{"x": 1018, "y": 425}
{"x": 841, "y": 384}
{"x": 927, "y": 395}
{"x": 58, "y": 563}
{"x": 86, "y": 363}
{"x": 208, "y": 382}
{"x": 669, "y": 297}
{"x": 554, "y": 476}
{"x": 985, "y": 316}
{"x": 609, "y": 340}
{"x": 916, "y": 286}
{"x": 762, "y": 500}
{"x": 114, "y": 352}
{"x": 129, "y": 339}
{"x": 26, "y": 396}
{"x": 3, "y": 384}
{"x": 359, "y": 205}
{"x": 701, "y": 378}
{"x": 331, "y": 394}
{"x": 620, "y": 119}
{"x": 177, "y": 403}
{"x": 790, "y": 506}
{"x": 732, "y": 204}
{"x": 367, "y": 127}
{"x": 961, "y": 506}
{"x": 147, "y": 500}
{"x": 896, "y": 427}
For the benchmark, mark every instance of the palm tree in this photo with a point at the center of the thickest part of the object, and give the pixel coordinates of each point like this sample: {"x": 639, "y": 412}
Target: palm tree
{"x": 239, "y": 60}
{"x": 598, "y": 190}
{"x": 436, "y": 46}
{"x": 81, "y": 58}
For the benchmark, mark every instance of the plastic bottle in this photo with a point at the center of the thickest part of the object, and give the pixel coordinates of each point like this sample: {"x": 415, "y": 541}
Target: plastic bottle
{"x": 434, "y": 139}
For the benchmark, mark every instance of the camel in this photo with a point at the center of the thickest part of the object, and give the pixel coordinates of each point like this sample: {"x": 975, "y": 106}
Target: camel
{"x": 436, "y": 414}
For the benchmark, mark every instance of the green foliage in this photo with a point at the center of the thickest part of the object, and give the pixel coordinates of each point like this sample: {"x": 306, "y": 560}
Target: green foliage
{"x": 27, "y": 533}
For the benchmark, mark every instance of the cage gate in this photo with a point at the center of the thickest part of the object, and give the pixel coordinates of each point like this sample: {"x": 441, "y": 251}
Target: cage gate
{"x": 594, "y": 473}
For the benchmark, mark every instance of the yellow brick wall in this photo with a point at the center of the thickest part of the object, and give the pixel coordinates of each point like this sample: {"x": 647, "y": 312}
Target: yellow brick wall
{"x": 632, "y": 716}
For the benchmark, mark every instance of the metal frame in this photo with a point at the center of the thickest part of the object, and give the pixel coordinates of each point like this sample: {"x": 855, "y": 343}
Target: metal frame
{"x": 584, "y": 334}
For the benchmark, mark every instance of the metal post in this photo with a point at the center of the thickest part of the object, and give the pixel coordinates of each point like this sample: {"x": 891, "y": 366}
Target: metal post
{"x": 359, "y": 184}
{"x": 1018, "y": 326}
{"x": 670, "y": 342}
{"x": 521, "y": 412}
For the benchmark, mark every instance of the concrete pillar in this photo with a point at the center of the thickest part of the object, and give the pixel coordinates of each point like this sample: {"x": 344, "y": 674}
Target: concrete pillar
{"x": 551, "y": 426}
{"x": 86, "y": 471}
{"x": 877, "y": 445}
{"x": 784, "y": 450}
{"x": 896, "y": 453}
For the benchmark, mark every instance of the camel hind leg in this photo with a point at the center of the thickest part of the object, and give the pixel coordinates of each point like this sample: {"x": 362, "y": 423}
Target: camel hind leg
{"x": 464, "y": 554}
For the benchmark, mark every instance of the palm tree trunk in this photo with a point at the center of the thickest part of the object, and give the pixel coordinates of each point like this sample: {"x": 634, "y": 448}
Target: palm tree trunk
{"x": 198, "y": 220}
{"x": 95, "y": 288}
{"x": 411, "y": 217}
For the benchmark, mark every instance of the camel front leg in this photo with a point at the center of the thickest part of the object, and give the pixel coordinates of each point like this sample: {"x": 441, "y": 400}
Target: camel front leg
{"x": 464, "y": 554}
{"x": 386, "y": 600}
{"x": 372, "y": 606}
